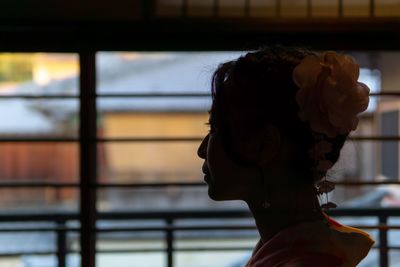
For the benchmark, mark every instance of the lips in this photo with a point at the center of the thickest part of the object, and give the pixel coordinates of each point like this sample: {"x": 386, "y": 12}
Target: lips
{"x": 205, "y": 170}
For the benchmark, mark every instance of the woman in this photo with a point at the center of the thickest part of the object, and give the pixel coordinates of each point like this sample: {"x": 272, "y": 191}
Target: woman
{"x": 278, "y": 121}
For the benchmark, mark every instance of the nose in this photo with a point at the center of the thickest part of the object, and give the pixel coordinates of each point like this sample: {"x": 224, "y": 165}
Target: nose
{"x": 202, "y": 150}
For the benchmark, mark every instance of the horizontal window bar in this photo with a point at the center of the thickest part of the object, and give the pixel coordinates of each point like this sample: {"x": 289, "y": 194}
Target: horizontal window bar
{"x": 152, "y": 139}
{"x": 159, "y": 185}
{"x": 346, "y": 183}
{"x": 194, "y": 249}
{"x": 183, "y": 94}
{"x": 199, "y": 138}
{"x": 386, "y": 93}
{"x": 37, "y": 139}
{"x": 36, "y": 184}
{"x": 374, "y": 138}
{"x": 162, "y": 139}
{"x": 154, "y": 185}
{"x": 227, "y": 227}
{"x": 166, "y": 215}
{"x": 144, "y": 185}
{"x": 175, "y": 250}
{"x": 203, "y": 249}
{"x": 138, "y": 95}
{"x": 373, "y": 212}
{"x": 20, "y": 254}
{"x": 38, "y": 96}
{"x": 40, "y": 229}
{"x": 172, "y": 228}
{"x": 177, "y": 228}
{"x": 54, "y": 216}
{"x": 41, "y": 253}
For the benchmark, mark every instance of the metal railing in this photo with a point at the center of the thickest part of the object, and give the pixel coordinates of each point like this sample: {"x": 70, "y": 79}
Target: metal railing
{"x": 170, "y": 228}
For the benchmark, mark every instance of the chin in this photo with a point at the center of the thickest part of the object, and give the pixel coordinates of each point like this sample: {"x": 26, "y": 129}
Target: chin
{"x": 213, "y": 194}
{"x": 218, "y": 196}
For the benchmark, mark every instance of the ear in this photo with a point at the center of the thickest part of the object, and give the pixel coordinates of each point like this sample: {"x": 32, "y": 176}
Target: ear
{"x": 270, "y": 144}
{"x": 262, "y": 146}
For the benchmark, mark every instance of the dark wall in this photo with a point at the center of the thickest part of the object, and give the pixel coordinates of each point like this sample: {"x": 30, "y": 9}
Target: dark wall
{"x": 71, "y": 9}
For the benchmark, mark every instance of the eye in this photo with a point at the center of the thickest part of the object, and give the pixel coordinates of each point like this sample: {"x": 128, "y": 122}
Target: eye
{"x": 210, "y": 127}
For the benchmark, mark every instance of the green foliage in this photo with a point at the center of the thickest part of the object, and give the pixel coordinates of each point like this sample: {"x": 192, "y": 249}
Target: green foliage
{"x": 15, "y": 67}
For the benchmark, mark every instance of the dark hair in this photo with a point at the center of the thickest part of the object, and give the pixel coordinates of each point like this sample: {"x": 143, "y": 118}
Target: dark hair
{"x": 258, "y": 89}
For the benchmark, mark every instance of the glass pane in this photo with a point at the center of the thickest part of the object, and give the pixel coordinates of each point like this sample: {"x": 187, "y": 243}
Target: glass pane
{"x": 365, "y": 196}
{"x": 387, "y": 8}
{"x": 39, "y": 162}
{"x": 212, "y": 258}
{"x": 394, "y": 238}
{"x": 45, "y": 261}
{"x": 231, "y": 8}
{"x": 168, "y": 7}
{"x": 200, "y": 7}
{"x": 151, "y": 259}
{"x": 166, "y": 198}
{"x": 33, "y": 249}
{"x": 159, "y": 117}
{"x": 73, "y": 260}
{"x": 29, "y": 260}
{"x": 213, "y": 240}
{"x": 39, "y": 74}
{"x": 293, "y": 8}
{"x": 149, "y": 162}
{"x": 367, "y": 161}
{"x": 323, "y": 8}
{"x": 39, "y": 118}
{"x": 34, "y": 242}
{"x": 372, "y": 259}
{"x": 263, "y": 8}
{"x": 157, "y": 72}
{"x": 38, "y": 199}
{"x": 135, "y": 242}
{"x": 160, "y": 124}
{"x": 356, "y": 8}
{"x": 394, "y": 257}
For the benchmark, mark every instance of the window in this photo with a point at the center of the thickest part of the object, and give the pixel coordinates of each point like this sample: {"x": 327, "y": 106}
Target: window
{"x": 152, "y": 205}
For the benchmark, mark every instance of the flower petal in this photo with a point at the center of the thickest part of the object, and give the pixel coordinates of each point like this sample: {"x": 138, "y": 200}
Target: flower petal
{"x": 305, "y": 74}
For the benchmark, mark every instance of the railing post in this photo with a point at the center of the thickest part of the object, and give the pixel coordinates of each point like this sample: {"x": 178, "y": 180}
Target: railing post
{"x": 88, "y": 157}
{"x": 61, "y": 243}
{"x": 383, "y": 243}
{"x": 170, "y": 243}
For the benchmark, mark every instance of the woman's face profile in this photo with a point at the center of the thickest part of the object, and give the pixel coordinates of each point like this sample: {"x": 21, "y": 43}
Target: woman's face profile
{"x": 226, "y": 179}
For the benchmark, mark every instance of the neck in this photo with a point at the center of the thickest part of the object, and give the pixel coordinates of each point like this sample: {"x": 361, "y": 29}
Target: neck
{"x": 288, "y": 208}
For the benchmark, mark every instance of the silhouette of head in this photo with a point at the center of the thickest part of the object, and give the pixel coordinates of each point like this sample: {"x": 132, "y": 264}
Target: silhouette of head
{"x": 255, "y": 127}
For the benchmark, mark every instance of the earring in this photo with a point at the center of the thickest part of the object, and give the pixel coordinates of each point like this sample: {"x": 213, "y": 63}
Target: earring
{"x": 324, "y": 187}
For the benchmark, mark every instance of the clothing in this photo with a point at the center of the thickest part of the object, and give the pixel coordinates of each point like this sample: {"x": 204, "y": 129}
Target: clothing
{"x": 323, "y": 243}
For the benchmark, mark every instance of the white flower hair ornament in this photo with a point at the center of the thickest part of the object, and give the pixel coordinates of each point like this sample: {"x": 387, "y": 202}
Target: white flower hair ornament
{"x": 329, "y": 99}
{"x": 329, "y": 95}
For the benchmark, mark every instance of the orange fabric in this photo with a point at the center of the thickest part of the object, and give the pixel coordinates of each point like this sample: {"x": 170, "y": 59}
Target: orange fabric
{"x": 324, "y": 243}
